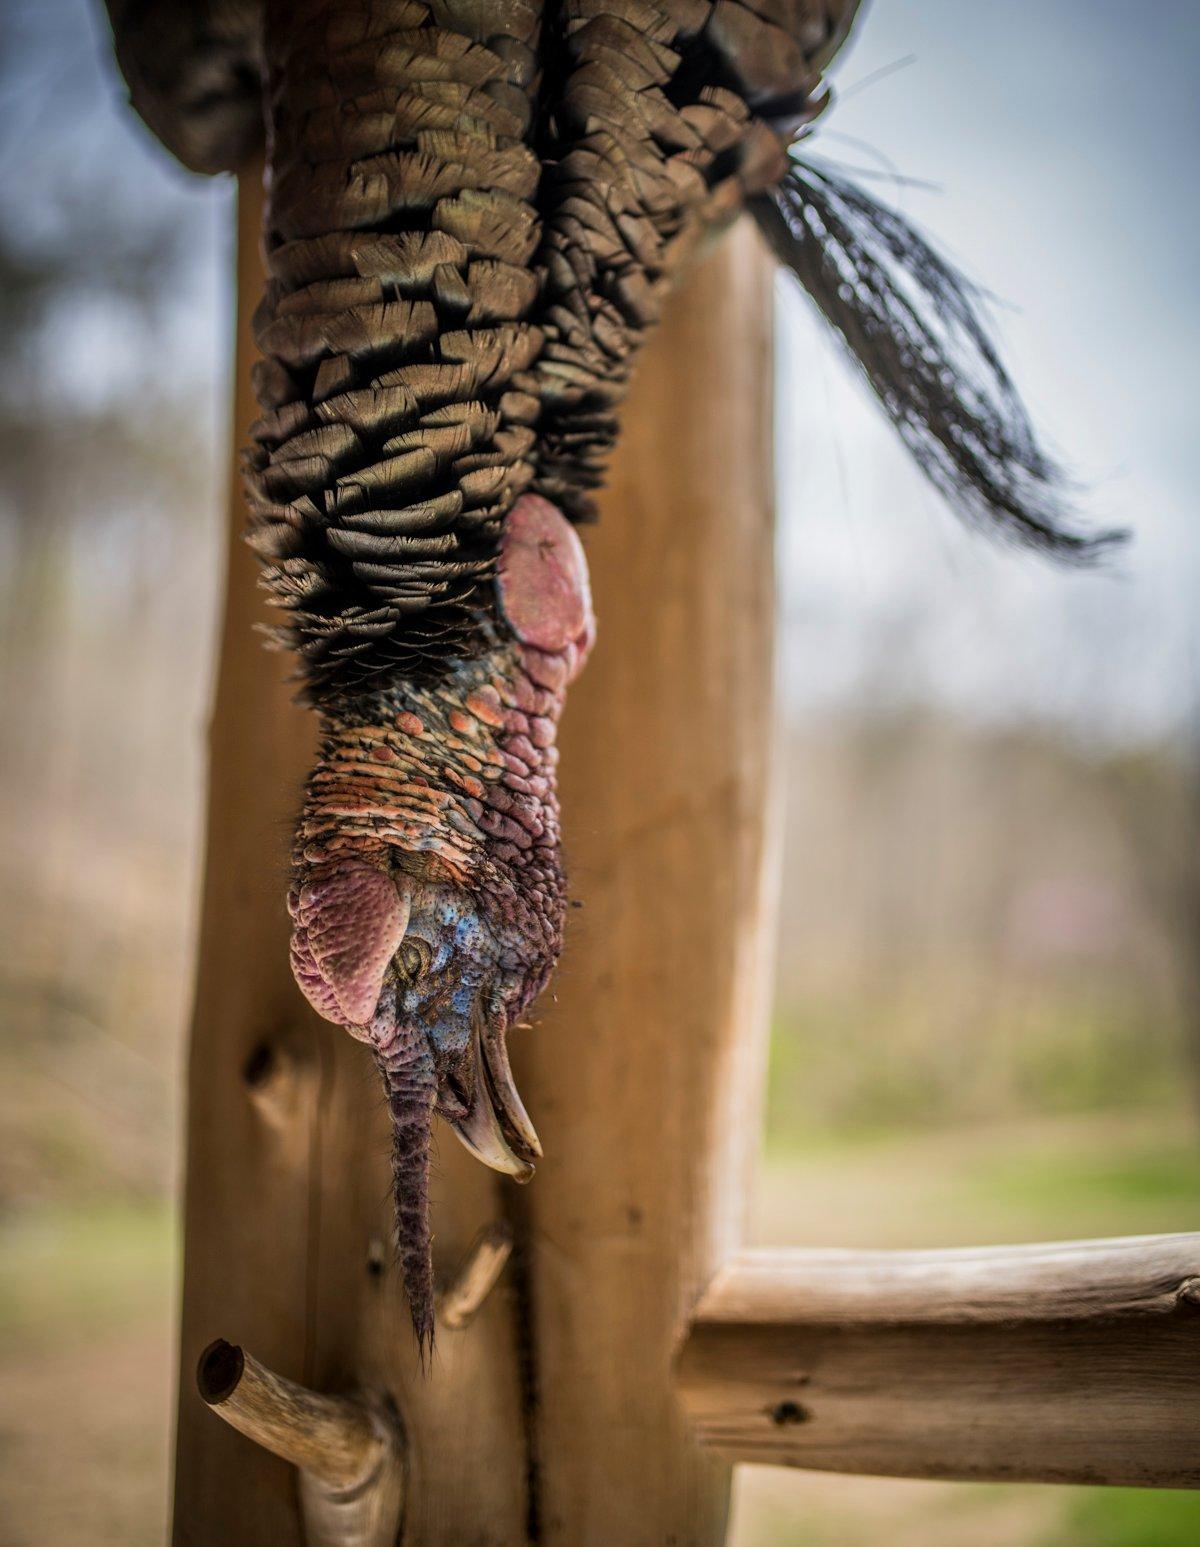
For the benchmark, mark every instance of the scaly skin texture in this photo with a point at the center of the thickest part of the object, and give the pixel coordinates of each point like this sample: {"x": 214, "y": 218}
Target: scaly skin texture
{"x": 428, "y": 893}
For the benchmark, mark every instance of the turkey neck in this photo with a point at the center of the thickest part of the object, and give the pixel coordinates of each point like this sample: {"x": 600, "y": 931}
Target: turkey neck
{"x": 454, "y": 778}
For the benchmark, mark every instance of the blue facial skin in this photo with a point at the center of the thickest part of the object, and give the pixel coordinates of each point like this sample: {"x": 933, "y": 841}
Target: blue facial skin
{"x": 442, "y": 999}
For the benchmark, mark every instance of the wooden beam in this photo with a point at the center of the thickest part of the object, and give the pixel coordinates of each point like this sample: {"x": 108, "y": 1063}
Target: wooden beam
{"x": 1073, "y": 1362}
{"x": 288, "y": 1218}
{"x": 550, "y": 1414}
{"x": 643, "y": 1075}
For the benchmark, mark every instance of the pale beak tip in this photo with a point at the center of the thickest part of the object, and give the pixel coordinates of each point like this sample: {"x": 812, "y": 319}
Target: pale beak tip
{"x": 480, "y": 1127}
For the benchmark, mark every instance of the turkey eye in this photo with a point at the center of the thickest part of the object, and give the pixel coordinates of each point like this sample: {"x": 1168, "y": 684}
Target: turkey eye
{"x": 415, "y": 957}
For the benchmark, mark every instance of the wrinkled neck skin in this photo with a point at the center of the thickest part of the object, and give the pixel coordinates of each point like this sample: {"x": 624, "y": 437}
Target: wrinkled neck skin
{"x": 428, "y": 893}
{"x": 448, "y": 790}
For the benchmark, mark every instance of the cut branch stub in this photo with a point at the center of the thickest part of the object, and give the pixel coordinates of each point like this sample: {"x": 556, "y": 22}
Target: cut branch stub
{"x": 278, "y": 1074}
{"x": 1067, "y": 1362}
{"x": 475, "y": 1278}
{"x": 349, "y": 1455}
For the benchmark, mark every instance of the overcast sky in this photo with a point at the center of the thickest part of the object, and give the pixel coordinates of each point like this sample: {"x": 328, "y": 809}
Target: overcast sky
{"x": 1061, "y": 136}
{"x": 1062, "y": 139}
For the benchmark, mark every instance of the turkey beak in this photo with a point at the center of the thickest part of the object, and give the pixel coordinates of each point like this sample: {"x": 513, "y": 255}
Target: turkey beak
{"x": 512, "y": 1111}
{"x": 480, "y": 1128}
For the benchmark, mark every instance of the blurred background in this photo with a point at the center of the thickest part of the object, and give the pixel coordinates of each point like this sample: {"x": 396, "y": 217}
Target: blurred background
{"x": 987, "y": 1024}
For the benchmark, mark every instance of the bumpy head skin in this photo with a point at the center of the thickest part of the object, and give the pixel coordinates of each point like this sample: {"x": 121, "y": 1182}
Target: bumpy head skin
{"x": 428, "y": 892}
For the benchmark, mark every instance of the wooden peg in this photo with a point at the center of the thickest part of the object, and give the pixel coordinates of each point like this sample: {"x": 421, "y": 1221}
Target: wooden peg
{"x": 475, "y": 1278}
{"x": 279, "y": 1075}
{"x": 349, "y": 1455}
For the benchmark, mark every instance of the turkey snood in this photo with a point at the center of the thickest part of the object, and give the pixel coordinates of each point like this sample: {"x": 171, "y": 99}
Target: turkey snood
{"x": 475, "y": 211}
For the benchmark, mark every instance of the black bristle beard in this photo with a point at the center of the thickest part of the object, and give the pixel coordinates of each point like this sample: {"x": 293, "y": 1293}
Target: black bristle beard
{"x": 410, "y": 1080}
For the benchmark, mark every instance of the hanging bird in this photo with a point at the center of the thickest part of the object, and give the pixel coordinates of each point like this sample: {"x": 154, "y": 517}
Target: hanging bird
{"x": 476, "y": 209}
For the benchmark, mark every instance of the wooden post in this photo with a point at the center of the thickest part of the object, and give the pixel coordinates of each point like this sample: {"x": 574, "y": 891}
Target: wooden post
{"x": 287, "y": 1216}
{"x": 550, "y": 1410}
{"x": 605, "y": 1355}
{"x": 1070, "y": 1362}
{"x": 644, "y": 1076}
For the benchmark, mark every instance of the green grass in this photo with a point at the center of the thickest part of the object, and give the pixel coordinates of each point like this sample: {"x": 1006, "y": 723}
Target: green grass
{"x": 809, "y": 1509}
{"x": 859, "y": 1066}
{"x": 1099, "y": 1174}
{"x": 1127, "y": 1517}
{"x": 68, "y": 1274}
{"x": 1158, "y": 1175}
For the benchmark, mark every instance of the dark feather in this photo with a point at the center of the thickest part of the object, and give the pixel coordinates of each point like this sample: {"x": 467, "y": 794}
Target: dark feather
{"x": 912, "y": 324}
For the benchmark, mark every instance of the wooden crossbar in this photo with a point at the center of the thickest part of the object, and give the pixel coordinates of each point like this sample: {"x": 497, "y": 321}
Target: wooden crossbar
{"x": 1070, "y": 1362}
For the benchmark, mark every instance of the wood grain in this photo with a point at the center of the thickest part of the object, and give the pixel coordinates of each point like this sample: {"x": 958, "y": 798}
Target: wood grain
{"x": 1070, "y": 1362}
{"x": 644, "y": 1072}
{"x": 288, "y": 1223}
{"x": 333, "y": 1438}
{"x": 553, "y": 1411}
{"x": 350, "y": 1455}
